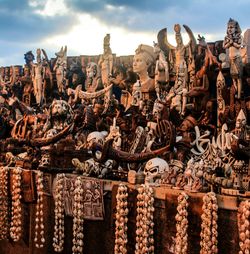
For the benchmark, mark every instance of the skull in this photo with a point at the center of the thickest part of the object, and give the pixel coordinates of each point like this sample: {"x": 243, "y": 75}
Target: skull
{"x": 45, "y": 160}
{"x": 154, "y": 168}
{"x": 95, "y": 136}
{"x": 90, "y": 166}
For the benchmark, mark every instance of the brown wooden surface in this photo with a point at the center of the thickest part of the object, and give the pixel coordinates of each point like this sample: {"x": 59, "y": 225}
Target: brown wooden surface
{"x": 99, "y": 235}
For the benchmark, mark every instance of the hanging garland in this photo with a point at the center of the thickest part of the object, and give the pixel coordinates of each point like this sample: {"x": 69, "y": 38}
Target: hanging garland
{"x": 243, "y": 226}
{"x": 78, "y": 220}
{"x": 58, "y": 239}
{"x": 4, "y": 223}
{"x": 39, "y": 238}
{"x": 144, "y": 220}
{"x": 121, "y": 228}
{"x": 209, "y": 233}
{"x": 181, "y": 239}
{"x": 16, "y": 208}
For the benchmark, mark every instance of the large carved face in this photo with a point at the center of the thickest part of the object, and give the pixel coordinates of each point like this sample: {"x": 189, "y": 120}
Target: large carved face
{"x": 91, "y": 70}
{"x": 139, "y": 63}
{"x": 60, "y": 108}
{"x": 231, "y": 28}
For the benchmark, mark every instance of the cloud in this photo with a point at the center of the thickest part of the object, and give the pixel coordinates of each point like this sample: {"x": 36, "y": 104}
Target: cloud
{"x": 22, "y": 23}
{"x": 203, "y": 16}
{"x": 82, "y": 24}
{"x": 91, "y": 6}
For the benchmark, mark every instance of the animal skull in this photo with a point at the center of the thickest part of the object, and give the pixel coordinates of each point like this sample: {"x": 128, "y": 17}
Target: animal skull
{"x": 154, "y": 168}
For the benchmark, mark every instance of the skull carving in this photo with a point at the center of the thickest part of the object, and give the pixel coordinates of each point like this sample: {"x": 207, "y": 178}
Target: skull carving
{"x": 154, "y": 168}
{"x": 91, "y": 167}
{"x": 45, "y": 160}
{"x": 96, "y": 137}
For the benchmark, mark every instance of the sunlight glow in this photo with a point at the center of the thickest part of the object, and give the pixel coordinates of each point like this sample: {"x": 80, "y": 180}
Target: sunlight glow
{"x": 86, "y": 38}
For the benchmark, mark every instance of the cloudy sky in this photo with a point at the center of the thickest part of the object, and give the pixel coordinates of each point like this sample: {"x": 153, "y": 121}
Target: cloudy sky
{"x": 82, "y": 24}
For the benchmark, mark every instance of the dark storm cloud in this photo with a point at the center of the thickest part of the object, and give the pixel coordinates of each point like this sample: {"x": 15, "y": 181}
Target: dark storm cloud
{"x": 139, "y": 5}
{"x": 202, "y": 16}
{"x": 20, "y": 22}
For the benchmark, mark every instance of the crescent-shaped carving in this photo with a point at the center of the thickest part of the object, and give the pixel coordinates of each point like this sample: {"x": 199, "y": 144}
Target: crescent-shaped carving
{"x": 86, "y": 95}
{"x": 192, "y": 40}
{"x": 162, "y": 40}
{"x": 166, "y": 46}
{"x": 108, "y": 152}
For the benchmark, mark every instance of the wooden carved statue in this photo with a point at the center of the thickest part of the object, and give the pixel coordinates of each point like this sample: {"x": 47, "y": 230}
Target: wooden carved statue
{"x": 60, "y": 69}
{"x": 161, "y": 72}
{"x": 181, "y": 62}
{"x": 220, "y": 100}
{"x": 37, "y": 78}
{"x": 106, "y": 61}
{"x": 233, "y": 42}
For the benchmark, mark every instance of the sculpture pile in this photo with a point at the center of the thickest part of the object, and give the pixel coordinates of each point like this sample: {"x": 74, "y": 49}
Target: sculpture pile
{"x": 169, "y": 106}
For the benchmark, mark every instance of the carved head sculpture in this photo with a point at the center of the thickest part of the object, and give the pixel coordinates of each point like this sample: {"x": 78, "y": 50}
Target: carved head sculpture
{"x": 106, "y": 40}
{"x": 29, "y": 57}
{"x": 96, "y": 137}
{"x": 45, "y": 160}
{"x": 178, "y": 37}
{"x": 76, "y": 163}
{"x": 60, "y": 108}
{"x": 62, "y": 53}
{"x": 157, "y": 110}
{"x": 188, "y": 123}
{"x": 154, "y": 168}
{"x": 144, "y": 58}
{"x": 241, "y": 120}
{"x": 233, "y": 27}
{"x": 90, "y": 166}
{"x": 92, "y": 70}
